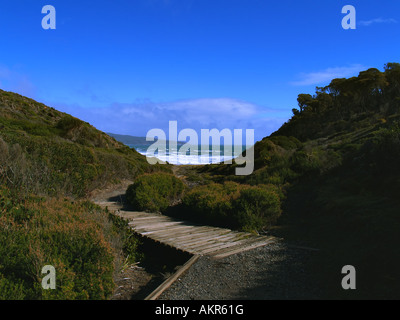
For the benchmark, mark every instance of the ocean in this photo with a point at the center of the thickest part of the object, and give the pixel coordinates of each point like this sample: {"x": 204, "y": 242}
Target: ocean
{"x": 195, "y": 158}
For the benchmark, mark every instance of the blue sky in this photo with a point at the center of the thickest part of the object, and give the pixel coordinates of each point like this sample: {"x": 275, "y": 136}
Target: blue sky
{"x": 131, "y": 66}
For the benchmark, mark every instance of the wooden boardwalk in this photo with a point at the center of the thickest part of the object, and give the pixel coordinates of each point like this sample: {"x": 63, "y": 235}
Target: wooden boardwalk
{"x": 189, "y": 237}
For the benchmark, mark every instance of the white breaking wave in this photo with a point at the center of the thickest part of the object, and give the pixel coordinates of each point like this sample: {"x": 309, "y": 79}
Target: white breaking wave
{"x": 196, "y": 158}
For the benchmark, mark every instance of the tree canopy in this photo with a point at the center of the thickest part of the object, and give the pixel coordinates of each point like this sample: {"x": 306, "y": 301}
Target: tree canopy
{"x": 372, "y": 91}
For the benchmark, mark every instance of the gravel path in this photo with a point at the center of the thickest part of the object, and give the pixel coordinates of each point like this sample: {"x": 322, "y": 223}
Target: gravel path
{"x": 272, "y": 272}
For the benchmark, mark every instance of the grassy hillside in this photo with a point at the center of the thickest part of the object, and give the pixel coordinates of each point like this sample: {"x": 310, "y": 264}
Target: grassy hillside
{"x": 49, "y": 152}
{"x": 49, "y": 163}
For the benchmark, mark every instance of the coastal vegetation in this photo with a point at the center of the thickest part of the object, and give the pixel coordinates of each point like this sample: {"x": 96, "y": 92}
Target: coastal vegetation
{"x": 327, "y": 179}
{"x": 50, "y": 162}
{"x": 155, "y": 192}
{"x": 233, "y": 205}
{"x": 336, "y": 164}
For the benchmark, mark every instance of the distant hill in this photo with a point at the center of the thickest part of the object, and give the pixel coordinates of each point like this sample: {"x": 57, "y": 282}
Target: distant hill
{"x": 134, "y": 140}
{"x": 129, "y": 140}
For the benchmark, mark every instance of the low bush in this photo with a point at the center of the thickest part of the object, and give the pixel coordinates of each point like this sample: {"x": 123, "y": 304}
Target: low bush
{"x": 257, "y": 207}
{"x": 155, "y": 192}
{"x": 68, "y": 123}
{"x": 234, "y": 205}
{"x": 287, "y": 143}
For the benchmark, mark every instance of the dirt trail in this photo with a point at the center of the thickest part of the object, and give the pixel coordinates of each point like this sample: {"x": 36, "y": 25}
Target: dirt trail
{"x": 110, "y": 193}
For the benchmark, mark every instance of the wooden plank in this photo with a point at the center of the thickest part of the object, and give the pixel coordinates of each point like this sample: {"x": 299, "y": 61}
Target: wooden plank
{"x": 171, "y": 233}
{"x": 193, "y": 237}
{"x": 135, "y": 215}
{"x": 147, "y": 221}
{"x": 208, "y": 250}
{"x": 166, "y": 284}
{"x": 149, "y": 216}
{"x": 194, "y": 231}
{"x": 243, "y": 249}
{"x": 143, "y": 220}
{"x": 226, "y": 245}
{"x": 198, "y": 234}
{"x": 244, "y": 244}
{"x": 209, "y": 241}
{"x": 172, "y": 230}
{"x": 155, "y": 226}
{"x": 206, "y": 237}
{"x": 154, "y": 221}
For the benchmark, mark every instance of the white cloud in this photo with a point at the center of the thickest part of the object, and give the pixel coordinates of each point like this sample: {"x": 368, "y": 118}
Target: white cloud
{"x": 219, "y": 111}
{"x": 325, "y": 76}
{"x": 209, "y": 113}
{"x": 366, "y": 23}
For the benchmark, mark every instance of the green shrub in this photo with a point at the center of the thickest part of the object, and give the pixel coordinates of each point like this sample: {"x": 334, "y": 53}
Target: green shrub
{"x": 316, "y": 161}
{"x": 155, "y": 192}
{"x": 286, "y": 142}
{"x": 211, "y": 203}
{"x": 10, "y": 290}
{"x": 130, "y": 241}
{"x": 68, "y": 123}
{"x": 257, "y": 207}
{"x": 234, "y": 205}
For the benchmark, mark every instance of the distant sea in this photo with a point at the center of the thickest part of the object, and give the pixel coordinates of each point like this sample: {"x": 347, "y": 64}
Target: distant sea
{"x": 196, "y": 158}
